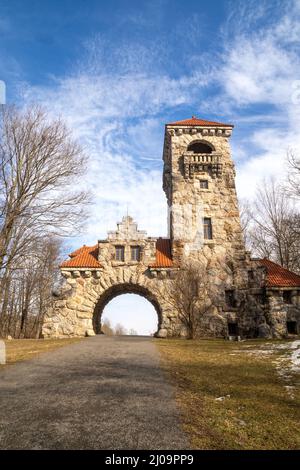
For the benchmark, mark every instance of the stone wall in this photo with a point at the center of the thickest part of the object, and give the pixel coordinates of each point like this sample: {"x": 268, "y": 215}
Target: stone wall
{"x": 279, "y": 312}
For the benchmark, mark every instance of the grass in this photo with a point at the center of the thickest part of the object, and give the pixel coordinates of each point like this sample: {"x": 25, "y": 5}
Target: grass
{"x": 22, "y": 349}
{"x": 231, "y": 395}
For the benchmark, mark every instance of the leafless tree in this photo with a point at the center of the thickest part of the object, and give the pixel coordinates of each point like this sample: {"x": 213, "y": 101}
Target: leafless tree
{"x": 273, "y": 228}
{"x": 120, "y": 330}
{"x": 191, "y": 294}
{"x": 245, "y": 217}
{"x": 132, "y": 332}
{"x": 28, "y": 290}
{"x": 293, "y": 176}
{"x": 40, "y": 163}
{"x": 106, "y": 328}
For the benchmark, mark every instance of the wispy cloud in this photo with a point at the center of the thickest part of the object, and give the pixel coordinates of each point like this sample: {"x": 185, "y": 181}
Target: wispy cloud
{"x": 118, "y": 120}
{"x": 260, "y": 64}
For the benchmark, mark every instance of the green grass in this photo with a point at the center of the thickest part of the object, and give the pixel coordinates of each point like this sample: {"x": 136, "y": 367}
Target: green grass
{"x": 257, "y": 411}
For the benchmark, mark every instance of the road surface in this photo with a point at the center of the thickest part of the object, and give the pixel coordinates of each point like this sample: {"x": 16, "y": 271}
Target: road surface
{"x": 100, "y": 393}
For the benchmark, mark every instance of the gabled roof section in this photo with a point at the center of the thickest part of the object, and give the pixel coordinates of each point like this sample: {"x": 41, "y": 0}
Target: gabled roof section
{"x": 78, "y": 251}
{"x": 84, "y": 257}
{"x": 277, "y": 276}
{"x": 163, "y": 254}
{"x": 194, "y": 121}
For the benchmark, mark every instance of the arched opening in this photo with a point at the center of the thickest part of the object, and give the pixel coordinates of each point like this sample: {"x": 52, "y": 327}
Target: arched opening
{"x": 139, "y": 313}
{"x": 129, "y": 314}
{"x": 200, "y": 147}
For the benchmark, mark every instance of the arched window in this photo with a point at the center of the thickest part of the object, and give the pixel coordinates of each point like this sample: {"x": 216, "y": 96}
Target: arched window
{"x": 200, "y": 147}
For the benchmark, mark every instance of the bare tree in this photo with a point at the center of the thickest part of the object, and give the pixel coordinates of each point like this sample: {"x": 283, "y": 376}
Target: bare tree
{"x": 273, "y": 228}
{"x": 191, "y": 294}
{"x": 106, "y": 328}
{"x": 245, "y": 217}
{"x": 120, "y": 330}
{"x": 293, "y": 174}
{"x": 28, "y": 289}
{"x": 39, "y": 164}
{"x": 132, "y": 332}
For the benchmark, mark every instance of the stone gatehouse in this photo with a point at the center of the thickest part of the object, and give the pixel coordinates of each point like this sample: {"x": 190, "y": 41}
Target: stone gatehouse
{"x": 256, "y": 297}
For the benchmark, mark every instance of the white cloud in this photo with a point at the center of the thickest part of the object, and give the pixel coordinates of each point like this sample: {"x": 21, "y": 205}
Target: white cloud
{"x": 260, "y": 67}
{"x": 117, "y": 119}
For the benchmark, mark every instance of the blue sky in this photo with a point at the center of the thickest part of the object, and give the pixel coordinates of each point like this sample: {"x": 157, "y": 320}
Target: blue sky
{"x": 118, "y": 71}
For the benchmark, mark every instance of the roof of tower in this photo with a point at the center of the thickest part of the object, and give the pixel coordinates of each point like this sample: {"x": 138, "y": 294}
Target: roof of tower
{"x": 277, "y": 276}
{"x": 84, "y": 257}
{"x": 194, "y": 121}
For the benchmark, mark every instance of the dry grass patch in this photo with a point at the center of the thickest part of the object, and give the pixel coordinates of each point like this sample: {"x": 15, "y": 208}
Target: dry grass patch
{"x": 232, "y": 395}
{"x": 22, "y": 349}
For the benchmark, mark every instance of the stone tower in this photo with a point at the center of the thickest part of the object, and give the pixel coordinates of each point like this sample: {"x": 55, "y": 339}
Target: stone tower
{"x": 199, "y": 182}
{"x": 204, "y": 220}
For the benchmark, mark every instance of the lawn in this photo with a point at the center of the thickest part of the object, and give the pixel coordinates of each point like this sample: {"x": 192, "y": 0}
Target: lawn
{"x": 22, "y": 349}
{"x": 236, "y": 395}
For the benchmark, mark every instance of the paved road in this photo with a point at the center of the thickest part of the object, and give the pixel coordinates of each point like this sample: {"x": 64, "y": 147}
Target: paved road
{"x": 101, "y": 393}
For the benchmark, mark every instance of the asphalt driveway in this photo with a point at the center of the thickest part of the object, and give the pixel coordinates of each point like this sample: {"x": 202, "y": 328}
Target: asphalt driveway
{"x": 100, "y": 393}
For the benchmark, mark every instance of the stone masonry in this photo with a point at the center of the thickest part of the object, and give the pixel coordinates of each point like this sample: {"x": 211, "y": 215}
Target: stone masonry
{"x": 255, "y": 297}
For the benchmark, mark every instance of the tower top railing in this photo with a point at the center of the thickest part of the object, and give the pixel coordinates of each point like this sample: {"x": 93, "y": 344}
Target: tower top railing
{"x": 194, "y": 163}
{"x": 191, "y": 157}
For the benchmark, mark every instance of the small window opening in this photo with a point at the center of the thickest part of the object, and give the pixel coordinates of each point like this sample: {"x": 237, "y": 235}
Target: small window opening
{"x": 203, "y": 184}
{"x": 229, "y": 298}
{"x": 232, "y": 329}
{"x": 287, "y": 297}
{"x": 135, "y": 253}
{"x": 207, "y": 226}
{"x": 261, "y": 298}
{"x": 120, "y": 253}
{"x": 291, "y": 327}
{"x": 199, "y": 147}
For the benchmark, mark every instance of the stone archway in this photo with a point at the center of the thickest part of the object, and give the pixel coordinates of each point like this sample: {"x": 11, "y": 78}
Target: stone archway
{"x": 78, "y": 307}
{"x": 125, "y": 288}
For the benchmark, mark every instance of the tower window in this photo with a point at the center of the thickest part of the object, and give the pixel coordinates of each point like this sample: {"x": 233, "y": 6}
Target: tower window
{"x": 207, "y": 226}
{"x": 261, "y": 298}
{"x": 203, "y": 184}
{"x": 135, "y": 253}
{"x": 120, "y": 253}
{"x": 287, "y": 297}
{"x": 199, "y": 147}
{"x": 291, "y": 327}
{"x": 229, "y": 298}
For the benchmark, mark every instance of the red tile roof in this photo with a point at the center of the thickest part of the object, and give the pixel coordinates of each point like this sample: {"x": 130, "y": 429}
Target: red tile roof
{"x": 199, "y": 122}
{"x": 277, "y": 276}
{"x": 163, "y": 254}
{"x": 84, "y": 257}
{"x": 78, "y": 251}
